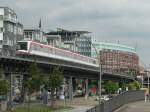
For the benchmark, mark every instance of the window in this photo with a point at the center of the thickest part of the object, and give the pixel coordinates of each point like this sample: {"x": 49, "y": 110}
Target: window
{"x": 1, "y": 17}
{"x": 23, "y": 45}
{"x": 9, "y": 27}
{"x": 1, "y": 42}
{"x": 1, "y": 30}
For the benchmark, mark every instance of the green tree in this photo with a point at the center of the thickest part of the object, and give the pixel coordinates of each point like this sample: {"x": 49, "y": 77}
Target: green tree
{"x": 111, "y": 87}
{"x": 4, "y": 85}
{"x": 34, "y": 81}
{"x": 131, "y": 86}
{"x": 54, "y": 82}
{"x": 134, "y": 85}
{"x": 124, "y": 85}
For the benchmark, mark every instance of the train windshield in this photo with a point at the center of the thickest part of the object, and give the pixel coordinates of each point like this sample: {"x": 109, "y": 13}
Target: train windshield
{"x": 22, "y": 45}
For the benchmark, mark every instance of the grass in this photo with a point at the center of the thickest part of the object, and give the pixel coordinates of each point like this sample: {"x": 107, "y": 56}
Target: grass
{"x": 40, "y": 108}
{"x": 37, "y": 108}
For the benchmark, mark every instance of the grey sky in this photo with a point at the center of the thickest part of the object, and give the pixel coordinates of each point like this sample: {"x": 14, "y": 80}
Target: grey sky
{"x": 109, "y": 20}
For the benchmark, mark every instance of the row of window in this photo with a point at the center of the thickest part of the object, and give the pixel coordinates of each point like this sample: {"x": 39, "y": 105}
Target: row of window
{"x": 1, "y": 17}
{"x": 11, "y": 17}
{"x": 84, "y": 45}
{"x": 13, "y": 28}
{"x": 34, "y": 36}
{"x": 113, "y": 47}
{"x": 1, "y": 30}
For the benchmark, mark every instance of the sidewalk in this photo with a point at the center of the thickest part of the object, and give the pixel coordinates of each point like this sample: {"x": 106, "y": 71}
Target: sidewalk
{"x": 76, "y": 109}
{"x": 140, "y": 106}
{"x": 78, "y": 104}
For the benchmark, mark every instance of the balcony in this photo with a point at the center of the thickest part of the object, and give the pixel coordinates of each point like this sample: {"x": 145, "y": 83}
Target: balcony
{"x": 10, "y": 19}
{"x": 7, "y": 43}
{"x": 69, "y": 42}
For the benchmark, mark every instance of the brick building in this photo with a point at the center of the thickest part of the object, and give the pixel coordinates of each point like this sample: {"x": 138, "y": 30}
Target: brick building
{"x": 117, "y": 58}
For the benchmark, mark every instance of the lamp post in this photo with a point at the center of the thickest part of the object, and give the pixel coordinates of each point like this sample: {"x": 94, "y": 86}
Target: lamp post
{"x": 100, "y": 78}
{"x": 148, "y": 81}
{"x": 142, "y": 80}
{"x": 100, "y": 71}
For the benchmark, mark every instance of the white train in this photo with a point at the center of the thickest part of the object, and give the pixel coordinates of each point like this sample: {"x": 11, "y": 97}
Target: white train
{"x": 35, "y": 48}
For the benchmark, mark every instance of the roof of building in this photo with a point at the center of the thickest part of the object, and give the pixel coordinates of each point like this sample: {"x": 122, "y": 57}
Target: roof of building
{"x": 64, "y": 31}
{"x": 20, "y": 24}
{"x": 33, "y": 30}
{"x": 53, "y": 36}
{"x": 4, "y": 7}
{"x": 114, "y": 46}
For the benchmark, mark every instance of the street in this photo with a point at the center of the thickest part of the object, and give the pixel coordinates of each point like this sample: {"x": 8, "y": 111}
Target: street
{"x": 140, "y": 106}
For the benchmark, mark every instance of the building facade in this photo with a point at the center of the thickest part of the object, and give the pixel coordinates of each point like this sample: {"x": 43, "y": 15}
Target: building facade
{"x": 117, "y": 58}
{"x": 10, "y": 31}
{"x": 76, "y": 41}
{"x": 35, "y": 34}
{"x": 84, "y": 45}
{"x": 54, "y": 40}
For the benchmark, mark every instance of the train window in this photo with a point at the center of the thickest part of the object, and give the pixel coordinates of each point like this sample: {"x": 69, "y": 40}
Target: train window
{"x": 22, "y": 45}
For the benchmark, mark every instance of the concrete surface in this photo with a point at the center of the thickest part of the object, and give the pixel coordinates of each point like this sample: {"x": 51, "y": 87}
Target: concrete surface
{"x": 140, "y": 106}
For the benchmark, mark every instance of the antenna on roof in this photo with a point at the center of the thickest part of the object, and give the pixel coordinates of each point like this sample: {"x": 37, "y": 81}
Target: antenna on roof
{"x": 40, "y": 24}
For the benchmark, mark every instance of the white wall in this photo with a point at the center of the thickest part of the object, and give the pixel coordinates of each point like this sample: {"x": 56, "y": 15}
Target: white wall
{"x": 1, "y": 11}
{"x": 1, "y": 36}
{"x": 1, "y": 23}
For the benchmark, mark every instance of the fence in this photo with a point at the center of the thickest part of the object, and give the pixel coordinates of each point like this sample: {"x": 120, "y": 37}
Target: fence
{"x": 116, "y": 102}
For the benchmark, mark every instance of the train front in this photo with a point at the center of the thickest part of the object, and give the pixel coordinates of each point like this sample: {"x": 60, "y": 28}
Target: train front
{"x": 22, "y": 48}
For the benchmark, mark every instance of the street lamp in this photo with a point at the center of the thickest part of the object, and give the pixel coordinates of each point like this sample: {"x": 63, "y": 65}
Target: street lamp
{"x": 148, "y": 76}
{"x": 100, "y": 71}
{"x": 148, "y": 80}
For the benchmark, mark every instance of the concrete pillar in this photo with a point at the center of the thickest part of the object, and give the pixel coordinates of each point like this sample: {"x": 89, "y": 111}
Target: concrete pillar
{"x": 62, "y": 90}
{"x": 10, "y": 102}
{"x": 98, "y": 87}
{"x": 86, "y": 89}
{"x": 70, "y": 89}
{"x": 45, "y": 96}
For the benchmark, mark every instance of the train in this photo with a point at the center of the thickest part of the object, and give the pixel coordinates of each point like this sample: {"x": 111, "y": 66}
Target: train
{"x": 42, "y": 50}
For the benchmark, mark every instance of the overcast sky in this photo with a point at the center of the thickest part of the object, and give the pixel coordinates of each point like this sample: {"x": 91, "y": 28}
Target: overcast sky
{"x": 109, "y": 20}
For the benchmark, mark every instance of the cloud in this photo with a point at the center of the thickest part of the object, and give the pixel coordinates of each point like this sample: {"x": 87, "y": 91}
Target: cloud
{"x": 108, "y": 20}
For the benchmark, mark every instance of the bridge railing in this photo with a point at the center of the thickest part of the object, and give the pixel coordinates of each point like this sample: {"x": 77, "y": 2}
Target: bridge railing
{"x": 53, "y": 61}
{"x": 118, "y": 101}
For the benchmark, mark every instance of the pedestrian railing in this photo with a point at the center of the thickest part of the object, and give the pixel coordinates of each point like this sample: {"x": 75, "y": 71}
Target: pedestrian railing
{"x": 118, "y": 101}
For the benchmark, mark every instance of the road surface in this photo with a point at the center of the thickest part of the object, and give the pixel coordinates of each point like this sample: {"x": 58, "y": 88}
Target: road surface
{"x": 140, "y": 106}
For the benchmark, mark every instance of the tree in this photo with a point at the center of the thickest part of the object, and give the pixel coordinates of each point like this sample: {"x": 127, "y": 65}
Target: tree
{"x": 54, "y": 82}
{"x": 134, "y": 85}
{"x": 124, "y": 86}
{"x": 4, "y": 85}
{"x": 131, "y": 86}
{"x": 34, "y": 80}
{"x": 111, "y": 87}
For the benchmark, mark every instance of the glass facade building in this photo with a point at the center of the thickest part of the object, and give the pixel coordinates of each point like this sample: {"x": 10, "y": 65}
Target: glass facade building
{"x": 76, "y": 41}
{"x": 111, "y": 46}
